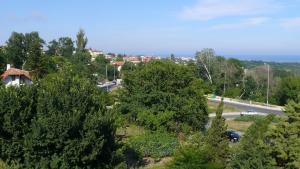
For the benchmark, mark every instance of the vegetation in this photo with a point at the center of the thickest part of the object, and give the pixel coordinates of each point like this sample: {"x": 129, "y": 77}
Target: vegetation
{"x": 63, "y": 120}
{"x": 154, "y": 144}
{"x": 164, "y": 95}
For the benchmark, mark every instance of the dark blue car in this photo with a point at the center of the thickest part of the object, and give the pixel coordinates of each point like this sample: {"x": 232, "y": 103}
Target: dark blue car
{"x": 233, "y": 136}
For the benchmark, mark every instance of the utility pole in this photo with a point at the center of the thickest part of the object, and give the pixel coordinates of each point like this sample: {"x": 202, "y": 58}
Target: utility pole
{"x": 114, "y": 72}
{"x": 268, "y": 87}
{"x": 106, "y": 72}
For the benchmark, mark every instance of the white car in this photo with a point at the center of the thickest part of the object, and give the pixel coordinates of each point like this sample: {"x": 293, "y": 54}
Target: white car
{"x": 249, "y": 113}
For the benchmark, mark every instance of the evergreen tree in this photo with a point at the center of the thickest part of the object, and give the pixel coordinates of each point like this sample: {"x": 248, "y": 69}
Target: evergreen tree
{"x": 217, "y": 139}
{"x": 81, "y": 41}
{"x": 252, "y": 152}
{"x": 284, "y": 139}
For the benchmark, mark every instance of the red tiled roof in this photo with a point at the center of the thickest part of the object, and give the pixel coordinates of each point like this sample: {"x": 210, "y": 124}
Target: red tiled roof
{"x": 119, "y": 63}
{"x": 16, "y": 72}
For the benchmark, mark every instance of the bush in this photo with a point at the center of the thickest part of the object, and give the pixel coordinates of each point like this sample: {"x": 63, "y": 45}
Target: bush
{"x": 60, "y": 123}
{"x": 154, "y": 144}
{"x": 193, "y": 157}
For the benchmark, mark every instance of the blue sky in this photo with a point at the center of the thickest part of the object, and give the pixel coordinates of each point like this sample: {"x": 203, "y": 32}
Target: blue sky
{"x": 231, "y": 27}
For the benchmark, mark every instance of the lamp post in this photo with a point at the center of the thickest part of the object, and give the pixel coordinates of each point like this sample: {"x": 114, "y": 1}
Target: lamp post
{"x": 268, "y": 87}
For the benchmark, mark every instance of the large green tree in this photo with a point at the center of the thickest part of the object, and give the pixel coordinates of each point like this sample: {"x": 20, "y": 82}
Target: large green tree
{"x": 253, "y": 152}
{"x": 289, "y": 89}
{"x": 81, "y": 41}
{"x": 16, "y": 51}
{"x": 3, "y": 60}
{"x": 162, "y": 94}
{"x": 63, "y": 47}
{"x": 60, "y": 123}
{"x": 284, "y": 139}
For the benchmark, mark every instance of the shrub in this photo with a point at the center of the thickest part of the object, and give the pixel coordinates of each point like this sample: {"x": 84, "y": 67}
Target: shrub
{"x": 154, "y": 144}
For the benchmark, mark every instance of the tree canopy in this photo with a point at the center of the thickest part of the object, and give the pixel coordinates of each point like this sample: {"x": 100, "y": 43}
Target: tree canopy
{"x": 162, "y": 94}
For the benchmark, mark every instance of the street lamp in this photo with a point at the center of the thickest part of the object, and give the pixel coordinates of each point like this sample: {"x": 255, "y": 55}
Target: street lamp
{"x": 268, "y": 87}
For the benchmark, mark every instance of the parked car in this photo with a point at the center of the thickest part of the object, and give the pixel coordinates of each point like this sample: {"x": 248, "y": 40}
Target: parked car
{"x": 249, "y": 113}
{"x": 233, "y": 136}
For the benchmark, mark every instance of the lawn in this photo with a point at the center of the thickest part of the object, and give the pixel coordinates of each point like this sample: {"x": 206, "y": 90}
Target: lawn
{"x": 240, "y": 126}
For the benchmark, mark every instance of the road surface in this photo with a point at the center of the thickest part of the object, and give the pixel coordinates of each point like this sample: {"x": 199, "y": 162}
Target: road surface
{"x": 255, "y": 108}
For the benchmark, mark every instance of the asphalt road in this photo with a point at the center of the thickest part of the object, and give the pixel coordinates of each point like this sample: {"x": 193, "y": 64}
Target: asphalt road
{"x": 250, "y": 107}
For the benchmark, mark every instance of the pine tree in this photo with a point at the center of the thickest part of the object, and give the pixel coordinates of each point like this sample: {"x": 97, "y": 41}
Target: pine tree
{"x": 285, "y": 139}
{"x": 252, "y": 152}
{"x": 217, "y": 139}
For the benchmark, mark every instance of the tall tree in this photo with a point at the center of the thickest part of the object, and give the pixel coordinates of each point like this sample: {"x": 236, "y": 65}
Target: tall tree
{"x": 60, "y": 123}
{"x": 253, "y": 152}
{"x": 217, "y": 139}
{"x": 206, "y": 58}
{"x": 16, "y": 51}
{"x": 284, "y": 139}
{"x": 81, "y": 41}
{"x": 63, "y": 47}
{"x": 289, "y": 89}
{"x": 34, "y": 52}
{"x": 66, "y": 46}
{"x": 164, "y": 95}
{"x": 3, "y": 60}
{"x": 53, "y": 48}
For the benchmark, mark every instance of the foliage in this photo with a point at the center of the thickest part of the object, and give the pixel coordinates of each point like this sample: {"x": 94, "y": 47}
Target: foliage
{"x": 252, "y": 152}
{"x": 165, "y": 95}
{"x": 101, "y": 66}
{"x": 2, "y": 60}
{"x": 284, "y": 139}
{"x": 15, "y": 49}
{"x": 154, "y": 144}
{"x": 289, "y": 90}
{"x": 216, "y": 139}
{"x": 63, "y": 47}
{"x": 81, "y": 41}
{"x": 251, "y": 118}
{"x": 61, "y": 123}
{"x": 194, "y": 154}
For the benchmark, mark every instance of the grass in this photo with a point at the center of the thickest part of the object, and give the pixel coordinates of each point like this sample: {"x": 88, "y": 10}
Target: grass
{"x": 212, "y": 107}
{"x": 240, "y": 126}
{"x": 130, "y": 131}
{"x": 160, "y": 165}
{"x": 254, "y": 118}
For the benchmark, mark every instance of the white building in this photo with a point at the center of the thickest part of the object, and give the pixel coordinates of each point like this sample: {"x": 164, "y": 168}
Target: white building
{"x": 95, "y": 53}
{"x": 16, "y": 77}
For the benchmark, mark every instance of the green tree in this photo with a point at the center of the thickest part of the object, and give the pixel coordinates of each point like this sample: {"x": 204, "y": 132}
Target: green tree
{"x": 60, "y": 123}
{"x": 33, "y": 47}
{"x": 162, "y": 94}
{"x": 195, "y": 153}
{"x": 216, "y": 138}
{"x": 63, "y": 47}
{"x": 53, "y": 48}
{"x": 3, "y": 60}
{"x": 289, "y": 89}
{"x": 284, "y": 139}
{"x": 192, "y": 157}
{"x": 81, "y": 41}
{"x": 253, "y": 152}
{"x": 66, "y": 47}
{"x": 15, "y": 49}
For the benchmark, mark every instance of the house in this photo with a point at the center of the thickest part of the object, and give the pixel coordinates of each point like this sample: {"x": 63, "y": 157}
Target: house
{"x": 118, "y": 64}
{"x": 16, "y": 77}
{"x": 95, "y": 53}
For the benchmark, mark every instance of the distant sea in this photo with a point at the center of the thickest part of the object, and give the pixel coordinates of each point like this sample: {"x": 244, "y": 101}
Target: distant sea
{"x": 268, "y": 58}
